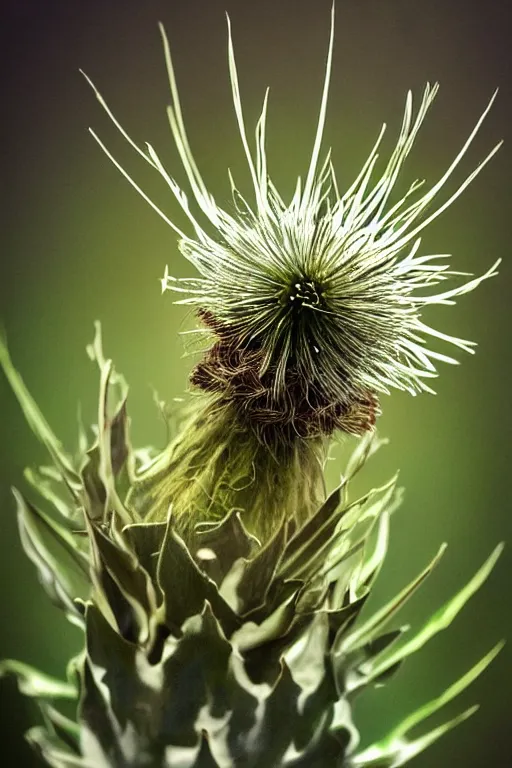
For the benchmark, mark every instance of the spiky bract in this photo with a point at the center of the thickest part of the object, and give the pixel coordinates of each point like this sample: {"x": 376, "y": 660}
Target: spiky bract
{"x": 316, "y": 303}
{"x": 212, "y": 649}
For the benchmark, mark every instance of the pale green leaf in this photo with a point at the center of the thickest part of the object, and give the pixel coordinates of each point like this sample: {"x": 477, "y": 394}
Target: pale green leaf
{"x": 32, "y": 682}
{"x": 386, "y": 755}
{"x": 450, "y": 693}
{"x": 439, "y": 621}
{"x": 367, "y": 631}
{"x": 37, "y": 422}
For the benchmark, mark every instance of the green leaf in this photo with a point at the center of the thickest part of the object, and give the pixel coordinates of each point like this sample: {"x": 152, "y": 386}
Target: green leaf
{"x": 228, "y": 540}
{"x": 386, "y": 755}
{"x": 130, "y": 578}
{"x": 279, "y": 593}
{"x": 276, "y": 625}
{"x": 94, "y": 492}
{"x": 373, "y": 626}
{"x": 106, "y": 470}
{"x": 364, "y": 450}
{"x": 374, "y": 556}
{"x": 31, "y": 682}
{"x": 450, "y": 693}
{"x": 55, "y": 752}
{"x": 439, "y": 621}
{"x": 62, "y": 566}
{"x": 313, "y": 545}
{"x": 99, "y": 739}
{"x": 145, "y": 539}
{"x": 116, "y": 388}
{"x": 341, "y": 619}
{"x": 185, "y": 588}
{"x": 119, "y": 444}
{"x": 37, "y": 422}
{"x": 124, "y": 672}
{"x": 197, "y": 681}
{"x": 316, "y": 717}
{"x": 65, "y": 729}
{"x": 109, "y": 467}
{"x": 64, "y": 733}
{"x": 278, "y": 723}
{"x": 43, "y": 480}
{"x": 205, "y": 758}
{"x": 259, "y": 572}
{"x": 304, "y": 535}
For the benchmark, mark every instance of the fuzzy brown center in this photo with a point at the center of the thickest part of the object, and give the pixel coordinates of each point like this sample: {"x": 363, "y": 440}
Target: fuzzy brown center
{"x": 300, "y": 410}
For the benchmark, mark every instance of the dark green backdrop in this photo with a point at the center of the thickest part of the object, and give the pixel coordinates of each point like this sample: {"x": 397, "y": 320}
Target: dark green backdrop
{"x": 78, "y": 244}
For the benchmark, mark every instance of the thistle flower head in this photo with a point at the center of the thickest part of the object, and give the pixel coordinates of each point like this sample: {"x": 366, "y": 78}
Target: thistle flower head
{"x": 315, "y": 303}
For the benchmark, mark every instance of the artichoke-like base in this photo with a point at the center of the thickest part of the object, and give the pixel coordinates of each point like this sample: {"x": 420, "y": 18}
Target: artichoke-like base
{"x": 204, "y": 647}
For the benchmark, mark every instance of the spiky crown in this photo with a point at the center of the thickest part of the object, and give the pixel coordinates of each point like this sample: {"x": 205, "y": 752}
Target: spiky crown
{"x": 315, "y": 304}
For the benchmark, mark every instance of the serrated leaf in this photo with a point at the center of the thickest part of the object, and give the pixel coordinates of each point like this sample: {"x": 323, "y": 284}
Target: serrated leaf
{"x": 381, "y": 642}
{"x": 304, "y": 553}
{"x": 341, "y": 619}
{"x": 349, "y": 669}
{"x": 131, "y": 699}
{"x": 109, "y": 468}
{"x": 315, "y": 718}
{"x": 119, "y": 442}
{"x": 196, "y": 674}
{"x": 145, "y": 539}
{"x": 228, "y": 539}
{"x": 49, "y": 580}
{"x": 185, "y": 588}
{"x": 366, "y": 511}
{"x": 99, "y": 741}
{"x": 306, "y": 532}
{"x": 60, "y": 726}
{"x": 374, "y": 557}
{"x": 63, "y": 726}
{"x": 130, "y": 578}
{"x": 307, "y": 660}
{"x": 279, "y": 593}
{"x": 276, "y": 625}
{"x": 260, "y": 571}
{"x": 263, "y": 660}
{"x": 329, "y": 570}
{"x": 280, "y": 707}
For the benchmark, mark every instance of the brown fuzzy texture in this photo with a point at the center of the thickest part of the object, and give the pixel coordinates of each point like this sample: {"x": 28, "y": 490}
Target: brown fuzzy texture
{"x": 233, "y": 370}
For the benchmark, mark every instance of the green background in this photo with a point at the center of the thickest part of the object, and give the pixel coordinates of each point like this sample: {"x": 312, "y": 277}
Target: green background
{"x": 78, "y": 244}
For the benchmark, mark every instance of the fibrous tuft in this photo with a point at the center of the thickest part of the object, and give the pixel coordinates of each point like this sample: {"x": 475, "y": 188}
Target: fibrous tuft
{"x": 299, "y": 409}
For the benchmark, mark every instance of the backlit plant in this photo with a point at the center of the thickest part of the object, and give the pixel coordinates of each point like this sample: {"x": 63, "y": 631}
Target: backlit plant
{"x": 217, "y": 582}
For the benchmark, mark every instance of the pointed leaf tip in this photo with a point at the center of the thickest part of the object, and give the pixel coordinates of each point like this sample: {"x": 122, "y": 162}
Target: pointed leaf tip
{"x": 441, "y": 619}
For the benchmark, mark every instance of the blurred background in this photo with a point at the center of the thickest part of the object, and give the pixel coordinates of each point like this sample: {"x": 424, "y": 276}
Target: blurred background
{"x": 79, "y": 244}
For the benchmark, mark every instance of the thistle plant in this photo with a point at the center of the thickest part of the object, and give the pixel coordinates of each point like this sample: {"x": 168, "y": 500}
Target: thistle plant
{"x": 218, "y": 583}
